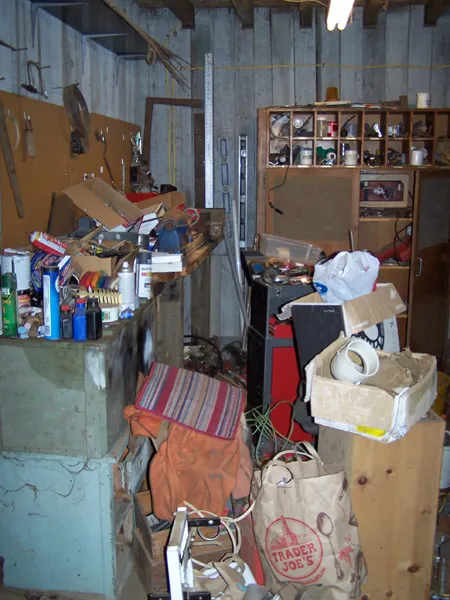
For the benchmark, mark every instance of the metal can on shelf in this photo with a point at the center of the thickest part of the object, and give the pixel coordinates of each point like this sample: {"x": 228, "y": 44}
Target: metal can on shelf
{"x": 332, "y": 128}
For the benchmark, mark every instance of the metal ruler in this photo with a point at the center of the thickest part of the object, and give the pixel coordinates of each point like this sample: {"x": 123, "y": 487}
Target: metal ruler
{"x": 209, "y": 132}
{"x": 243, "y": 174}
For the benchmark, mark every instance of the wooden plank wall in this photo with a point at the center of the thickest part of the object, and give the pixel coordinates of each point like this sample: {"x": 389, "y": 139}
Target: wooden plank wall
{"x": 241, "y": 86}
{"x": 59, "y": 46}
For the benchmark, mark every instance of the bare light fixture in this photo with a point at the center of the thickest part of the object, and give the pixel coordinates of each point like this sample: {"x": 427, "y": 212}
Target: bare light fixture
{"x": 339, "y": 13}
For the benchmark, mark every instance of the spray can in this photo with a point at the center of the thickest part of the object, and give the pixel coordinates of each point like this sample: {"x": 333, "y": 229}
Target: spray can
{"x": 144, "y": 274}
{"x": 9, "y": 304}
{"x": 50, "y": 287}
{"x": 18, "y": 262}
{"x": 1, "y": 305}
{"x": 126, "y": 285}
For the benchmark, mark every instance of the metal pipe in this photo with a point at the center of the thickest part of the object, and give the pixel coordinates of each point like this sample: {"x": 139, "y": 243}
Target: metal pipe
{"x": 235, "y": 276}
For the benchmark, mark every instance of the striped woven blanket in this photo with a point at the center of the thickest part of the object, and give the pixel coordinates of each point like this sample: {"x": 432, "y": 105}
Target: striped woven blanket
{"x": 192, "y": 399}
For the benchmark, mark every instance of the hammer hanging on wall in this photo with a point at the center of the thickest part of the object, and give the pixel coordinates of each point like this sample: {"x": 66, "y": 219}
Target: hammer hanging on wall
{"x": 9, "y": 162}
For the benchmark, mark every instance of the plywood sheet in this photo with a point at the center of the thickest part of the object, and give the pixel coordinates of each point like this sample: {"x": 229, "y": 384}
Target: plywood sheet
{"x": 394, "y": 490}
{"x": 54, "y": 169}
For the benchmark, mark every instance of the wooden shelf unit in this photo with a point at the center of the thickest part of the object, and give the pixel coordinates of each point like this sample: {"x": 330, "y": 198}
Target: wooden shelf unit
{"x": 321, "y": 205}
{"x": 397, "y": 131}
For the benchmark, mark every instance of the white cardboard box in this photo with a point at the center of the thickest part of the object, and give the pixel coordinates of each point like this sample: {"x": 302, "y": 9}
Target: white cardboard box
{"x": 367, "y": 409}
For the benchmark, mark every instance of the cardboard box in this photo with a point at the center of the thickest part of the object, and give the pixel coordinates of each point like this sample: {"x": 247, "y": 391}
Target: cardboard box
{"x": 112, "y": 209}
{"x": 84, "y": 263}
{"x": 383, "y": 408}
{"x": 360, "y": 313}
{"x": 102, "y": 203}
{"x": 371, "y": 317}
{"x": 171, "y": 199}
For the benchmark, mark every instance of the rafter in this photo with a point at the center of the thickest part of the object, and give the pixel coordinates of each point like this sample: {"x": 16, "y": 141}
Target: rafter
{"x": 244, "y": 10}
{"x": 435, "y": 9}
{"x": 370, "y": 13}
{"x": 306, "y": 14}
{"x": 184, "y": 11}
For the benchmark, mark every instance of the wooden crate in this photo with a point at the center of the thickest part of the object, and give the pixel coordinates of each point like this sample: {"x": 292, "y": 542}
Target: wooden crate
{"x": 155, "y": 542}
{"x": 152, "y": 573}
{"x": 394, "y": 489}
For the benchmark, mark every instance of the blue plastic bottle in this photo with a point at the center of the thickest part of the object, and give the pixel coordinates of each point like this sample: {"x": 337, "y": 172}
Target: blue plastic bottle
{"x": 79, "y": 320}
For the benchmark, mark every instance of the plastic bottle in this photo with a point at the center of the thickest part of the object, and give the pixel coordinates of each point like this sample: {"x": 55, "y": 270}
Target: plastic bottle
{"x": 79, "y": 323}
{"x": 9, "y": 304}
{"x": 66, "y": 322}
{"x": 94, "y": 319}
{"x": 126, "y": 285}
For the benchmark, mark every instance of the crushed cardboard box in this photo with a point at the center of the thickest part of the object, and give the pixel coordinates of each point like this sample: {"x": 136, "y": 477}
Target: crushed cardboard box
{"x": 371, "y": 317}
{"x": 385, "y": 406}
{"x": 112, "y": 209}
{"x": 360, "y": 313}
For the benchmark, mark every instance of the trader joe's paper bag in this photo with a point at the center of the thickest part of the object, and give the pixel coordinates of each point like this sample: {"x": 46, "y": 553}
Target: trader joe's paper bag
{"x": 304, "y": 525}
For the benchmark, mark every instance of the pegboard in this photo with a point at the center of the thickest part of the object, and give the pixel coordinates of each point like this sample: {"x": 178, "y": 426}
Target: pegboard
{"x": 54, "y": 168}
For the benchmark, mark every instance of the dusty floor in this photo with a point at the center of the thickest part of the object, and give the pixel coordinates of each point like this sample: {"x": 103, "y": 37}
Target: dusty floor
{"x": 133, "y": 590}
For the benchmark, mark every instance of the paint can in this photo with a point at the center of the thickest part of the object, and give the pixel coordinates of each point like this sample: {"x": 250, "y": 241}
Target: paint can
{"x": 332, "y": 128}
{"x": 423, "y": 100}
{"x": 144, "y": 274}
{"x": 50, "y": 286}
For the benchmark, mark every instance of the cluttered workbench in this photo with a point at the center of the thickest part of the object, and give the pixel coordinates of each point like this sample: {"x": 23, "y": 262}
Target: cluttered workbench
{"x": 63, "y": 435}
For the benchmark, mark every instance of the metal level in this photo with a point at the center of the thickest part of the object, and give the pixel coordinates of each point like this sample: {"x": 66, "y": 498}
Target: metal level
{"x": 242, "y": 183}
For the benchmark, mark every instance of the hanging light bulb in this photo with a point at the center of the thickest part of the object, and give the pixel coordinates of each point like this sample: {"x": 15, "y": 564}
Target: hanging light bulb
{"x": 339, "y": 13}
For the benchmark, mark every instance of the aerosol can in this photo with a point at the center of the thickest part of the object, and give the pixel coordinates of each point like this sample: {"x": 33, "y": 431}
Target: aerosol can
{"x": 9, "y": 304}
{"x": 126, "y": 286}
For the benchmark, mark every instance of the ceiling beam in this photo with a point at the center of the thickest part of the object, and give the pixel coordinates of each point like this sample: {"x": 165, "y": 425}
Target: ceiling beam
{"x": 184, "y": 12}
{"x": 370, "y": 12}
{"x": 152, "y": 4}
{"x": 244, "y": 10}
{"x": 435, "y": 9}
{"x": 305, "y": 10}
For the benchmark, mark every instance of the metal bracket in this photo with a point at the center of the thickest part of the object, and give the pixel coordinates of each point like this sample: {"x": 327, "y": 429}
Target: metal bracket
{"x": 36, "y": 6}
{"x": 204, "y": 522}
{"x": 6, "y": 45}
{"x": 94, "y": 36}
{"x": 120, "y": 57}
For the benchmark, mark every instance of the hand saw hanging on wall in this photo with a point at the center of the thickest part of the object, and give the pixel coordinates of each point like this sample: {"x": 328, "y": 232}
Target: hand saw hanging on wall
{"x": 9, "y": 162}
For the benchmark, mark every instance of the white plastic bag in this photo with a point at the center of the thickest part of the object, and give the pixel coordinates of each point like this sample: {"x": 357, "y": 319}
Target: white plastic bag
{"x": 346, "y": 276}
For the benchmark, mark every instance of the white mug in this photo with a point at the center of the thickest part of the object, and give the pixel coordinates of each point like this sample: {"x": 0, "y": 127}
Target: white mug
{"x": 416, "y": 158}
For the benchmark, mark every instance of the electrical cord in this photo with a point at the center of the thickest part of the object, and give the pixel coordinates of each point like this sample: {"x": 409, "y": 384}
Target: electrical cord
{"x": 258, "y": 419}
{"x": 275, "y": 187}
{"x": 398, "y": 238}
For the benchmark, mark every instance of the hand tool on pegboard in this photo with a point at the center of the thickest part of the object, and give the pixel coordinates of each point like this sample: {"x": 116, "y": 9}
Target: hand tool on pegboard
{"x": 9, "y": 162}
